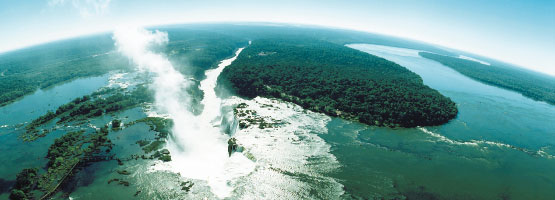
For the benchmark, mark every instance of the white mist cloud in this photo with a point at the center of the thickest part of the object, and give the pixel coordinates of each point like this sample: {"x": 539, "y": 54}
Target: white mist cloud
{"x": 168, "y": 84}
{"x": 86, "y": 8}
{"x": 197, "y": 146}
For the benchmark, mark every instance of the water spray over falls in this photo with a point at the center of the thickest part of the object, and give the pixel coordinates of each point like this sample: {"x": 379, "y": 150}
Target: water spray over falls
{"x": 198, "y": 148}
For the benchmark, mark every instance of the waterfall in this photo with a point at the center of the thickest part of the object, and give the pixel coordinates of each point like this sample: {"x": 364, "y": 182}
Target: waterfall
{"x": 198, "y": 146}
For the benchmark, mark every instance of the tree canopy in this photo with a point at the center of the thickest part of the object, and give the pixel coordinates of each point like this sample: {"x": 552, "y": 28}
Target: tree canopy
{"x": 338, "y": 81}
{"x": 530, "y": 84}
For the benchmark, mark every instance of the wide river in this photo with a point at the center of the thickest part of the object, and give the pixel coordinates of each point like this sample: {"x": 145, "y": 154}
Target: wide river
{"x": 500, "y": 146}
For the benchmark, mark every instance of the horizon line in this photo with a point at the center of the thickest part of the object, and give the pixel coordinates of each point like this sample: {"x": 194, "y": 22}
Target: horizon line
{"x": 305, "y": 25}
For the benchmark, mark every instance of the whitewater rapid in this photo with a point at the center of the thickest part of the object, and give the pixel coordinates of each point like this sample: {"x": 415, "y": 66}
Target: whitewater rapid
{"x": 278, "y": 160}
{"x": 292, "y": 160}
{"x": 286, "y": 161}
{"x": 201, "y": 153}
{"x": 197, "y": 146}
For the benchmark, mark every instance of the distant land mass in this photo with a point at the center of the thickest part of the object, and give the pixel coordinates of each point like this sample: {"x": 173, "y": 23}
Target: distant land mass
{"x": 536, "y": 86}
{"x": 24, "y": 71}
{"x": 89, "y": 143}
{"x": 390, "y": 99}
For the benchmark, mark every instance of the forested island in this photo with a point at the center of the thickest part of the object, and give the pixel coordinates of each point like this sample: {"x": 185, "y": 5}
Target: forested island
{"x": 192, "y": 49}
{"x": 24, "y": 71}
{"x": 104, "y": 101}
{"x": 338, "y": 81}
{"x": 529, "y": 84}
{"x": 75, "y": 150}
{"x": 307, "y": 66}
{"x": 67, "y": 152}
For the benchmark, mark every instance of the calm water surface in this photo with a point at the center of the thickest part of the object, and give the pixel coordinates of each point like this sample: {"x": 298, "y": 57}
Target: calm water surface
{"x": 500, "y": 146}
{"x": 17, "y": 154}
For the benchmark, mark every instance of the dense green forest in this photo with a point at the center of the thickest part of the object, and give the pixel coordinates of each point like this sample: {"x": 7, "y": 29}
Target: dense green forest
{"x": 336, "y": 80}
{"x": 254, "y": 31}
{"x": 64, "y": 156}
{"x": 193, "y": 51}
{"x": 24, "y": 71}
{"x": 530, "y": 84}
{"x": 193, "y": 48}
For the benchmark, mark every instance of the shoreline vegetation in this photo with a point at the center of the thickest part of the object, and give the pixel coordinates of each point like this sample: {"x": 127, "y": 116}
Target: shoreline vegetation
{"x": 104, "y": 101}
{"x": 41, "y": 67}
{"x": 530, "y": 84}
{"x": 75, "y": 150}
{"x": 25, "y": 71}
{"x": 69, "y": 151}
{"x": 338, "y": 81}
{"x": 192, "y": 48}
{"x": 291, "y": 65}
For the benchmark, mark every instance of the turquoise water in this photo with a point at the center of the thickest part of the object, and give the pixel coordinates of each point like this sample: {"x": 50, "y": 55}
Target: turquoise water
{"x": 16, "y": 154}
{"x": 36, "y": 104}
{"x": 91, "y": 181}
{"x": 500, "y": 146}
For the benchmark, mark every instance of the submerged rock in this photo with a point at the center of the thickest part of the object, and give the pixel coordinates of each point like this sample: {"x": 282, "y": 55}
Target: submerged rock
{"x": 123, "y": 172}
{"x": 112, "y": 180}
{"x": 124, "y": 183}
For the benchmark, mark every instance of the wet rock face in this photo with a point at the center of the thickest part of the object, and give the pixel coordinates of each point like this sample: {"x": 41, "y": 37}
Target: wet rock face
{"x": 232, "y": 146}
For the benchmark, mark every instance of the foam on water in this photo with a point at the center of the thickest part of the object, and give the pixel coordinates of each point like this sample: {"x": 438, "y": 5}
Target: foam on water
{"x": 283, "y": 163}
{"x": 291, "y": 160}
{"x": 483, "y": 144}
{"x": 286, "y": 162}
{"x": 119, "y": 80}
{"x": 199, "y": 150}
{"x": 207, "y": 159}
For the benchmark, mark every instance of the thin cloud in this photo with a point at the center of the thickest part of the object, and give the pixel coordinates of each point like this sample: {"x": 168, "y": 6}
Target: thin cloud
{"x": 86, "y": 8}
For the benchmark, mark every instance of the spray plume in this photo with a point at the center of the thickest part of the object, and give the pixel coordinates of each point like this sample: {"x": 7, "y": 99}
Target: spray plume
{"x": 198, "y": 148}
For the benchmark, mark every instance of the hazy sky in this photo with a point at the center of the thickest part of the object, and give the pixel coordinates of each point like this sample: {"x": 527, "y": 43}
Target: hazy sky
{"x": 519, "y": 32}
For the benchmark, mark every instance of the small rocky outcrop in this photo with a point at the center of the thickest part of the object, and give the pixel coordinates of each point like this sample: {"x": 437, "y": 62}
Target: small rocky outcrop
{"x": 233, "y": 146}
